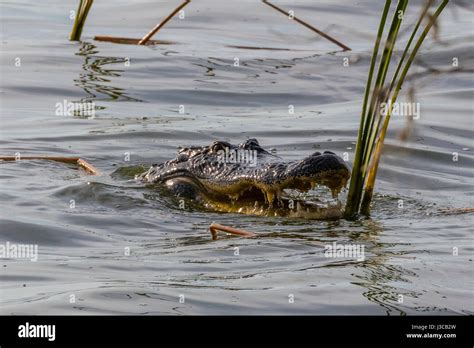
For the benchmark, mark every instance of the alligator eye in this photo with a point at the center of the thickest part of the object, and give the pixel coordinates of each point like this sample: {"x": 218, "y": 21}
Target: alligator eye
{"x": 220, "y": 145}
{"x": 216, "y": 146}
{"x": 317, "y": 153}
{"x": 329, "y": 152}
{"x": 250, "y": 144}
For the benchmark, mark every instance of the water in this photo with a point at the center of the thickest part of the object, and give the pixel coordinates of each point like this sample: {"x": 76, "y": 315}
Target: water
{"x": 82, "y": 250}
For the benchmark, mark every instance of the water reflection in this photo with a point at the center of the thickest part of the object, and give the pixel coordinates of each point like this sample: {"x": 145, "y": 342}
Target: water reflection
{"x": 376, "y": 274}
{"x": 95, "y": 79}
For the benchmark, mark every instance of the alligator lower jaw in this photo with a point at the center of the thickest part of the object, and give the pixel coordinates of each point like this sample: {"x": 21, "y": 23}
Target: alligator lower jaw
{"x": 286, "y": 208}
{"x": 334, "y": 180}
{"x": 270, "y": 200}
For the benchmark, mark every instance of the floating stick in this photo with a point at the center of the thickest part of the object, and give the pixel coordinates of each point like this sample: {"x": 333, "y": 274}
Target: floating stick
{"x": 309, "y": 26}
{"x": 131, "y": 41}
{"x": 73, "y": 160}
{"x": 456, "y": 211}
{"x": 218, "y": 227}
{"x": 147, "y": 37}
{"x": 261, "y": 48}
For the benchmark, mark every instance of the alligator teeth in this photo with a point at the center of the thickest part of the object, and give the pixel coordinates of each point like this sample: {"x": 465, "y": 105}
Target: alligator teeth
{"x": 235, "y": 197}
{"x": 270, "y": 197}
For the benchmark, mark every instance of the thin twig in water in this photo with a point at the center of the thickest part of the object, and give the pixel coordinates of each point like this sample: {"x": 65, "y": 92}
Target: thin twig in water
{"x": 309, "y": 26}
{"x": 456, "y": 211}
{"x": 218, "y": 227}
{"x": 131, "y": 41}
{"x": 147, "y": 37}
{"x": 73, "y": 160}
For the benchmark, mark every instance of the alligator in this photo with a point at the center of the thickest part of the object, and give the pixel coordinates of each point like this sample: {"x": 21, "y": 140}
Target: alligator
{"x": 246, "y": 178}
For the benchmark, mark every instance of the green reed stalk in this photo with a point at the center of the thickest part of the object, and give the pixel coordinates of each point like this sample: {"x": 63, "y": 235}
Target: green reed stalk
{"x": 386, "y": 95}
{"x": 369, "y": 189}
{"x": 379, "y": 93}
{"x": 371, "y": 131}
{"x": 81, "y": 16}
{"x": 355, "y": 187}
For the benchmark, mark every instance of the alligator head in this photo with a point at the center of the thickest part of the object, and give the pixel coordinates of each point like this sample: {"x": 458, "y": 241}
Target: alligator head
{"x": 233, "y": 178}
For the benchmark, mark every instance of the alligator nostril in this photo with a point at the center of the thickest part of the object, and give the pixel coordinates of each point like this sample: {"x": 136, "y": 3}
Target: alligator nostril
{"x": 329, "y": 152}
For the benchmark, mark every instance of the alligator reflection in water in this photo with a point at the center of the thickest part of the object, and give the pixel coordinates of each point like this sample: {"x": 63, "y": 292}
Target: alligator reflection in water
{"x": 95, "y": 78}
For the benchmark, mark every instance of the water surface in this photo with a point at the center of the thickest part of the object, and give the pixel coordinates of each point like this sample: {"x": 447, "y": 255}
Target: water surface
{"x": 138, "y": 92}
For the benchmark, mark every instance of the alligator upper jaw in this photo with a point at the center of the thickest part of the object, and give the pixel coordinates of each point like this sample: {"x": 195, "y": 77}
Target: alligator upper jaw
{"x": 270, "y": 200}
{"x": 269, "y": 192}
{"x": 318, "y": 169}
{"x": 263, "y": 200}
{"x": 335, "y": 180}
{"x": 244, "y": 193}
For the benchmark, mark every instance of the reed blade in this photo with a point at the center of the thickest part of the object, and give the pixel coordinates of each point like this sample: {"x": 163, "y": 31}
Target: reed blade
{"x": 355, "y": 189}
{"x": 373, "y": 125}
{"x": 376, "y": 130}
{"x": 80, "y": 20}
{"x": 369, "y": 189}
{"x": 379, "y": 92}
